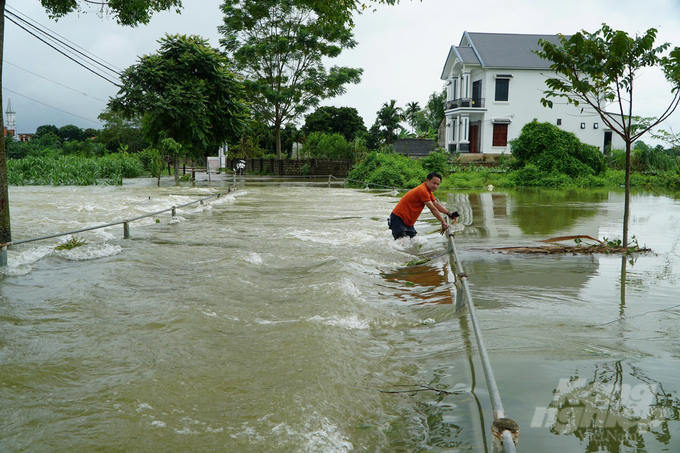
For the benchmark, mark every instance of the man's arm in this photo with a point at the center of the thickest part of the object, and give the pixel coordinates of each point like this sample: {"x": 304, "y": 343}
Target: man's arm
{"x": 441, "y": 208}
{"x": 437, "y": 209}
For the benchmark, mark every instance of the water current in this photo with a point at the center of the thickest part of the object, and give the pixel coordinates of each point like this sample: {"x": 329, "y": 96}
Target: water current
{"x": 283, "y": 318}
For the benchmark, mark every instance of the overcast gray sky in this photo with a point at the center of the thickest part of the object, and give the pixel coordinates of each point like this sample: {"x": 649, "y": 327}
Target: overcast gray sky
{"x": 402, "y": 50}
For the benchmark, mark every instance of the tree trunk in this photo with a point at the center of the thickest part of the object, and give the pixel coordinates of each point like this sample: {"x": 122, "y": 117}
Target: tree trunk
{"x": 176, "y": 169}
{"x": 5, "y": 230}
{"x": 626, "y": 203}
{"x": 278, "y": 140}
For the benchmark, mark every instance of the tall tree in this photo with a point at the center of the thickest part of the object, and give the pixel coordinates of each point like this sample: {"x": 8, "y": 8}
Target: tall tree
{"x": 388, "y": 118}
{"x": 185, "y": 92}
{"x": 120, "y": 132}
{"x": 335, "y": 120}
{"x": 125, "y": 12}
{"x": 411, "y": 114}
{"x": 600, "y": 70}
{"x": 279, "y": 47}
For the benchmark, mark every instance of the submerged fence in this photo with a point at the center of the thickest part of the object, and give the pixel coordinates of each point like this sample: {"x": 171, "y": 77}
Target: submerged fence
{"x": 125, "y": 223}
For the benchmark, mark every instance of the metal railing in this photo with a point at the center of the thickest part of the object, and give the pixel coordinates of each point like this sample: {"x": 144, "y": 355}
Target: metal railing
{"x": 503, "y": 428}
{"x": 125, "y": 223}
{"x": 465, "y": 103}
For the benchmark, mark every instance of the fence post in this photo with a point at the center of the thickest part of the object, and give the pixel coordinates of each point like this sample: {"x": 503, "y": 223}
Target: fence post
{"x": 3, "y": 256}
{"x": 329, "y": 181}
{"x": 174, "y": 212}
{"x": 126, "y": 230}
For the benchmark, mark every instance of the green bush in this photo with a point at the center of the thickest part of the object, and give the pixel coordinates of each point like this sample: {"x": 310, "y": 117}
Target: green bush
{"x": 550, "y": 149}
{"x": 389, "y": 169}
{"x": 437, "y": 161}
{"x": 330, "y": 146}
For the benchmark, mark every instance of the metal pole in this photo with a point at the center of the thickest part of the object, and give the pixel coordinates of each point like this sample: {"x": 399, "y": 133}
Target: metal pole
{"x": 329, "y": 181}
{"x": 174, "y": 212}
{"x": 501, "y": 422}
{"x": 3, "y": 256}
{"x": 126, "y": 230}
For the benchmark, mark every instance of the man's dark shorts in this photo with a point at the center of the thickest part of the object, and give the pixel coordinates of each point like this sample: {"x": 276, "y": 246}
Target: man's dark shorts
{"x": 399, "y": 228}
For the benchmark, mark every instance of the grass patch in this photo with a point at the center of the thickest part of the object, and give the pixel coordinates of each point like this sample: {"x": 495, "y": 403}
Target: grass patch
{"x": 72, "y": 243}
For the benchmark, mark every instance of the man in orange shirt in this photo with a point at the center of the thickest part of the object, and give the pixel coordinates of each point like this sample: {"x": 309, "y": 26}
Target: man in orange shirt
{"x": 407, "y": 211}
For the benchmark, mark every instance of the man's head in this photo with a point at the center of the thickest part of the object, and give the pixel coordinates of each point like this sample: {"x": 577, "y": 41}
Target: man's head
{"x": 433, "y": 181}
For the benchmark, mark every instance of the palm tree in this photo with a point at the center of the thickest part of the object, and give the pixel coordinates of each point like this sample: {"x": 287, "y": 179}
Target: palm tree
{"x": 388, "y": 118}
{"x": 412, "y": 109}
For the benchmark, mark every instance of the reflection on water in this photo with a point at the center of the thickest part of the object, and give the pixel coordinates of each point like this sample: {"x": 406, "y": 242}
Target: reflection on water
{"x": 276, "y": 319}
{"x": 616, "y": 408}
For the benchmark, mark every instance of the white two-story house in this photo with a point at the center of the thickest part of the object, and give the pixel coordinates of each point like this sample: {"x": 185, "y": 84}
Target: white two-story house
{"x": 495, "y": 83}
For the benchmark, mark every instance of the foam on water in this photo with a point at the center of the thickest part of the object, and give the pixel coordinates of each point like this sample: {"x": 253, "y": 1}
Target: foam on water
{"x": 253, "y": 258}
{"x": 349, "y": 322}
{"x": 335, "y": 237}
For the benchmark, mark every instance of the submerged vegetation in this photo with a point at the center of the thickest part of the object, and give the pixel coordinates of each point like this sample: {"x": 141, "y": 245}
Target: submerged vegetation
{"x": 72, "y": 243}
{"x": 74, "y": 170}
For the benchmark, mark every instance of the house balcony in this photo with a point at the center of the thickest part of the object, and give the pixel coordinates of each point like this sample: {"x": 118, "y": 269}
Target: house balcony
{"x": 465, "y": 103}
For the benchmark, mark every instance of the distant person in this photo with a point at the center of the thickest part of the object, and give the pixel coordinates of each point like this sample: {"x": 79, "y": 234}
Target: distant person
{"x": 407, "y": 211}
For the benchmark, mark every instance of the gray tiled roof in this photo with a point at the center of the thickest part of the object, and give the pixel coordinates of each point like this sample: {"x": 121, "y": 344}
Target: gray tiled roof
{"x": 415, "y": 146}
{"x": 504, "y": 50}
{"x": 467, "y": 55}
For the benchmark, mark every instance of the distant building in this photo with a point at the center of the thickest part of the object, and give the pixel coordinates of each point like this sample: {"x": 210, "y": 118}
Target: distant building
{"x": 415, "y": 147}
{"x": 24, "y": 137}
{"x": 10, "y": 121}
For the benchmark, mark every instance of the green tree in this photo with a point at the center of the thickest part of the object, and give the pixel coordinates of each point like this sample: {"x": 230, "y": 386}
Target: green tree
{"x": 278, "y": 46}
{"x": 600, "y": 69}
{"x": 429, "y": 118}
{"x": 411, "y": 114}
{"x": 45, "y": 129}
{"x": 119, "y": 131}
{"x": 71, "y": 133}
{"x": 125, "y": 12}
{"x": 335, "y": 120}
{"x": 388, "y": 118}
{"x": 185, "y": 92}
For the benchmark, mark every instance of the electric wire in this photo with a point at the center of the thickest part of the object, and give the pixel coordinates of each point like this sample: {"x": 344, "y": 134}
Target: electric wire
{"x": 63, "y": 41}
{"x": 55, "y": 108}
{"x": 61, "y": 52}
{"x": 55, "y": 82}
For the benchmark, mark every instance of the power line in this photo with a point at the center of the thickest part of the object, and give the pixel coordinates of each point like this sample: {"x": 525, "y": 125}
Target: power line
{"x": 60, "y": 51}
{"x": 55, "y": 108}
{"x": 55, "y": 82}
{"x": 36, "y": 25}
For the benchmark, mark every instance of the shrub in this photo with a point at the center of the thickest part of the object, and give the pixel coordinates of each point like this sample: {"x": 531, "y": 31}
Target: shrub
{"x": 550, "y": 148}
{"x": 437, "y": 161}
{"x": 331, "y": 146}
{"x": 389, "y": 169}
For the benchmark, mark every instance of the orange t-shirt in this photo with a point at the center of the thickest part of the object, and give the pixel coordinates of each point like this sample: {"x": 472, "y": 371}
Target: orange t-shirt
{"x": 411, "y": 205}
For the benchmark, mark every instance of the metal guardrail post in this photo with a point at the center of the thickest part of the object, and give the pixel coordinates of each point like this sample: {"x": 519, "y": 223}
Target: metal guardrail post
{"x": 329, "y": 181}
{"x": 504, "y": 429}
{"x": 3, "y": 256}
{"x": 126, "y": 230}
{"x": 174, "y": 212}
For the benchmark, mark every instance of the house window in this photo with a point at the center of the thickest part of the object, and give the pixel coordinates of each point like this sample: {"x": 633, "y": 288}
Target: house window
{"x": 559, "y": 121}
{"x": 500, "y": 135}
{"x": 502, "y": 86}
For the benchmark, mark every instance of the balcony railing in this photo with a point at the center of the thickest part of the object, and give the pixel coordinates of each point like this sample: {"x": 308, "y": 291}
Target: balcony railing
{"x": 466, "y": 103}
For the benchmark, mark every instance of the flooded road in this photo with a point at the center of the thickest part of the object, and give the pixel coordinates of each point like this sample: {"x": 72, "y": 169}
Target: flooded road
{"x": 282, "y": 318}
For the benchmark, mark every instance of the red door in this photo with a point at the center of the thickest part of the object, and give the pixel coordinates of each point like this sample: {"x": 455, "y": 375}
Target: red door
{"x": 474, "y": 138}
